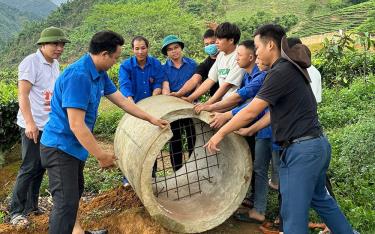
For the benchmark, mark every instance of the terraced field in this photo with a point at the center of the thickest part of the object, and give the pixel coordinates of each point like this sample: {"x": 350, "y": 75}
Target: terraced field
{"x": 237, "y": 9}
{"x": 347, "y": 19}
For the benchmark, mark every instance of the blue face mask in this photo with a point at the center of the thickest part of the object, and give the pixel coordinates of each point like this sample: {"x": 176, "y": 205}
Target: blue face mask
{"x": 211, "y": 49}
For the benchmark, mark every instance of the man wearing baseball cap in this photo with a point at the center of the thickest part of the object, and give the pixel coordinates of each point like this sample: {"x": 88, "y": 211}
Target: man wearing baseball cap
{"x": 36, "y": 78}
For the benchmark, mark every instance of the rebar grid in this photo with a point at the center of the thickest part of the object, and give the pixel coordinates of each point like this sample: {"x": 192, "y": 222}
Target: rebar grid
{"x": 181, "y": 180}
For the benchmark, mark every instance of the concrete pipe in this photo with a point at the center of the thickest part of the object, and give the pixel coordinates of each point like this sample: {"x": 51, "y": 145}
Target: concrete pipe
{"x": 200, "y": 192}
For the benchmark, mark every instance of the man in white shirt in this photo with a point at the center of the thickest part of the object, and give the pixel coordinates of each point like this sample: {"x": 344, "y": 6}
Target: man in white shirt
{"x": 225, "y": 70}
{"x": 37, "y": 74}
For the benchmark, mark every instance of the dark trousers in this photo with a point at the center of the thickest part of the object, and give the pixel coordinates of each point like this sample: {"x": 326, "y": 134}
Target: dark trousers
{"x": 179, "y": 127}
{"x": 26, "y": 189}
{"x": 66, "y": 184}
{"x": 251, "y": 142}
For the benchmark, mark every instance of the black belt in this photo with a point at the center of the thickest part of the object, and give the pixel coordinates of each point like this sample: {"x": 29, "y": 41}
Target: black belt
{"x": 285, "y": 144}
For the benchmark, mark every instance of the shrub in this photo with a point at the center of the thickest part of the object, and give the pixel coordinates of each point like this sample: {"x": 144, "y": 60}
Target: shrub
{"x": 98, "y": 180}
{"x": 346, "y": 106}
{"x": 340, "y": 61}
{"x": 107, "y": 122}
{"x": 353, "y": 171}
{"x": 8, "y": 114}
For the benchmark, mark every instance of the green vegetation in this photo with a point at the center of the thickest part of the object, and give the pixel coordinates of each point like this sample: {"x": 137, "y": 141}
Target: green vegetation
{"x": 237, "y": 9}
{"x": 341, "y": 61}
{"x": 348, "y": 116}
{"x": 2, "y": 216}
{"x": 8, "y": 110}
{"x": 14, "y": 13}
{"x": 348, "y": 18}
{"x": 346, "y": 62}
{"x": 82, "y": 18}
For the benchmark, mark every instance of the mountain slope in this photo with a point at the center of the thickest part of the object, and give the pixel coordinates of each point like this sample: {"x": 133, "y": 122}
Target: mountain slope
{"x": 40, "y": 8}
{"x": 348, "y": 18}
{"x": 11, "y": 20}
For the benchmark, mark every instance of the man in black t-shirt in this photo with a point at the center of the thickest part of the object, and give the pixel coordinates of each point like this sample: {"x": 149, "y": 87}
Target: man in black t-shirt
{"x": 203, "y": 68}
{"x": 295, "y": 125}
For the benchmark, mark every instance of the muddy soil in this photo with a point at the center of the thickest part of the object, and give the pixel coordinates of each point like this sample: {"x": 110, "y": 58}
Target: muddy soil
{"x": 119, "y": 210}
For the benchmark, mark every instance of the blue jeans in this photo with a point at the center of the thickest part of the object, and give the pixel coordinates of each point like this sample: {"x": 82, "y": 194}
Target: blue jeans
{"x": 263, "y": 155}
{"x": 275, "y": 167}
{"x": 302, "y": 184}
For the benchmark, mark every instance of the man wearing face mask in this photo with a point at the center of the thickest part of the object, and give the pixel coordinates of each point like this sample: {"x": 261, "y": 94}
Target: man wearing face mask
{"x": 202, "y": 70}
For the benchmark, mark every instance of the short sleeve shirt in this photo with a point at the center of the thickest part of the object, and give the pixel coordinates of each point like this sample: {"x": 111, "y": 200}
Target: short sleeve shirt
{"x": 138, "y": 82}
{"x": 226, "y": 69}
{"x": 177, "y": 77}
{"x": 80, "y": 86}
{"x": 292, "y": 103}
{"x": 203, "y": 70}
{"x": 42, "y": 76}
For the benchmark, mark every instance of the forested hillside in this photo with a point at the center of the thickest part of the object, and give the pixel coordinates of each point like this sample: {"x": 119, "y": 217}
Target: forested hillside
{"x": 40, "y": 8}
{"x": 186, "y": 18}
{"x": 14, "y": 13}
{"x": 11, "y": 20}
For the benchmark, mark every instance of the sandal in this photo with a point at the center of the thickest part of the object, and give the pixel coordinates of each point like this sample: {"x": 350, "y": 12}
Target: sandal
{"x": 247, "y": 203}
{"x": 272, "y": 185}
{"x": 19, "y": 220}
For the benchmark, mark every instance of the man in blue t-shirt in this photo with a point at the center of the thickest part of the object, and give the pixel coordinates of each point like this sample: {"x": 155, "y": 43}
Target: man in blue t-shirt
{"x": 178, "y": 70}
{"x": 141, "y": 75}
{"x": 68, "y": 138}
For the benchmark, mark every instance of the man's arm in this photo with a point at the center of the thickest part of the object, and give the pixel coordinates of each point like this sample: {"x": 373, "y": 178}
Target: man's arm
{"x": 131, "y": 108}
{"x": 223, "y": 89}
{"x": 125, "y": 82}
{"x": 86, "y": 138}
{"x": 256, "y": 127}
{"x": 159, "y": 78}
{"x": 244, "y": 117}
{"x": 191, "y": 84}
{"x": 220, "y": 106}
{"x": 31, "y": 130}
{"x": 202, "y": 89}
{"x": 166, "y": 89}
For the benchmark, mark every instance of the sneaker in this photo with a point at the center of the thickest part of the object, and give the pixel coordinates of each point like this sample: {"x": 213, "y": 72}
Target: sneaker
{"x": 19, "y": 220}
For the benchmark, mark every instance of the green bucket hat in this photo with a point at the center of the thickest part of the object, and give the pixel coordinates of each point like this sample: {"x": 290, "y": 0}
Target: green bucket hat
{"x": 52, "y": 34}
{"x": 170, "y": 39}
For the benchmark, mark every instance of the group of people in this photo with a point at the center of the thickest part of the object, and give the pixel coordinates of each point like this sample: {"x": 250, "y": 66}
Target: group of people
{"x": 259, "y": 88}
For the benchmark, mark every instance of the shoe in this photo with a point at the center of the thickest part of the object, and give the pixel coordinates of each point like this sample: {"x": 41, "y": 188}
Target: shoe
{"x": 19, "y": 220}
{"x": 103, "y": 231}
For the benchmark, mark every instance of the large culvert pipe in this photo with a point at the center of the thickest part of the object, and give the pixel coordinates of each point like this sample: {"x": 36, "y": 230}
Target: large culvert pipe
{"x": 205, "y": 190}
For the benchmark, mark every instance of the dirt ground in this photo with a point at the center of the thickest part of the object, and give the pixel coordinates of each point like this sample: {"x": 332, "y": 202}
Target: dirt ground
{"x": 119, "y": 210}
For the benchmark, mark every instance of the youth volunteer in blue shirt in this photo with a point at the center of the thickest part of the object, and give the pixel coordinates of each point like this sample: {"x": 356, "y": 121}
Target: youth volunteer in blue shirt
{"x": 141, "y": 75}
{"x": 68, "y": 138}
{"x": 178, "y": 69}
